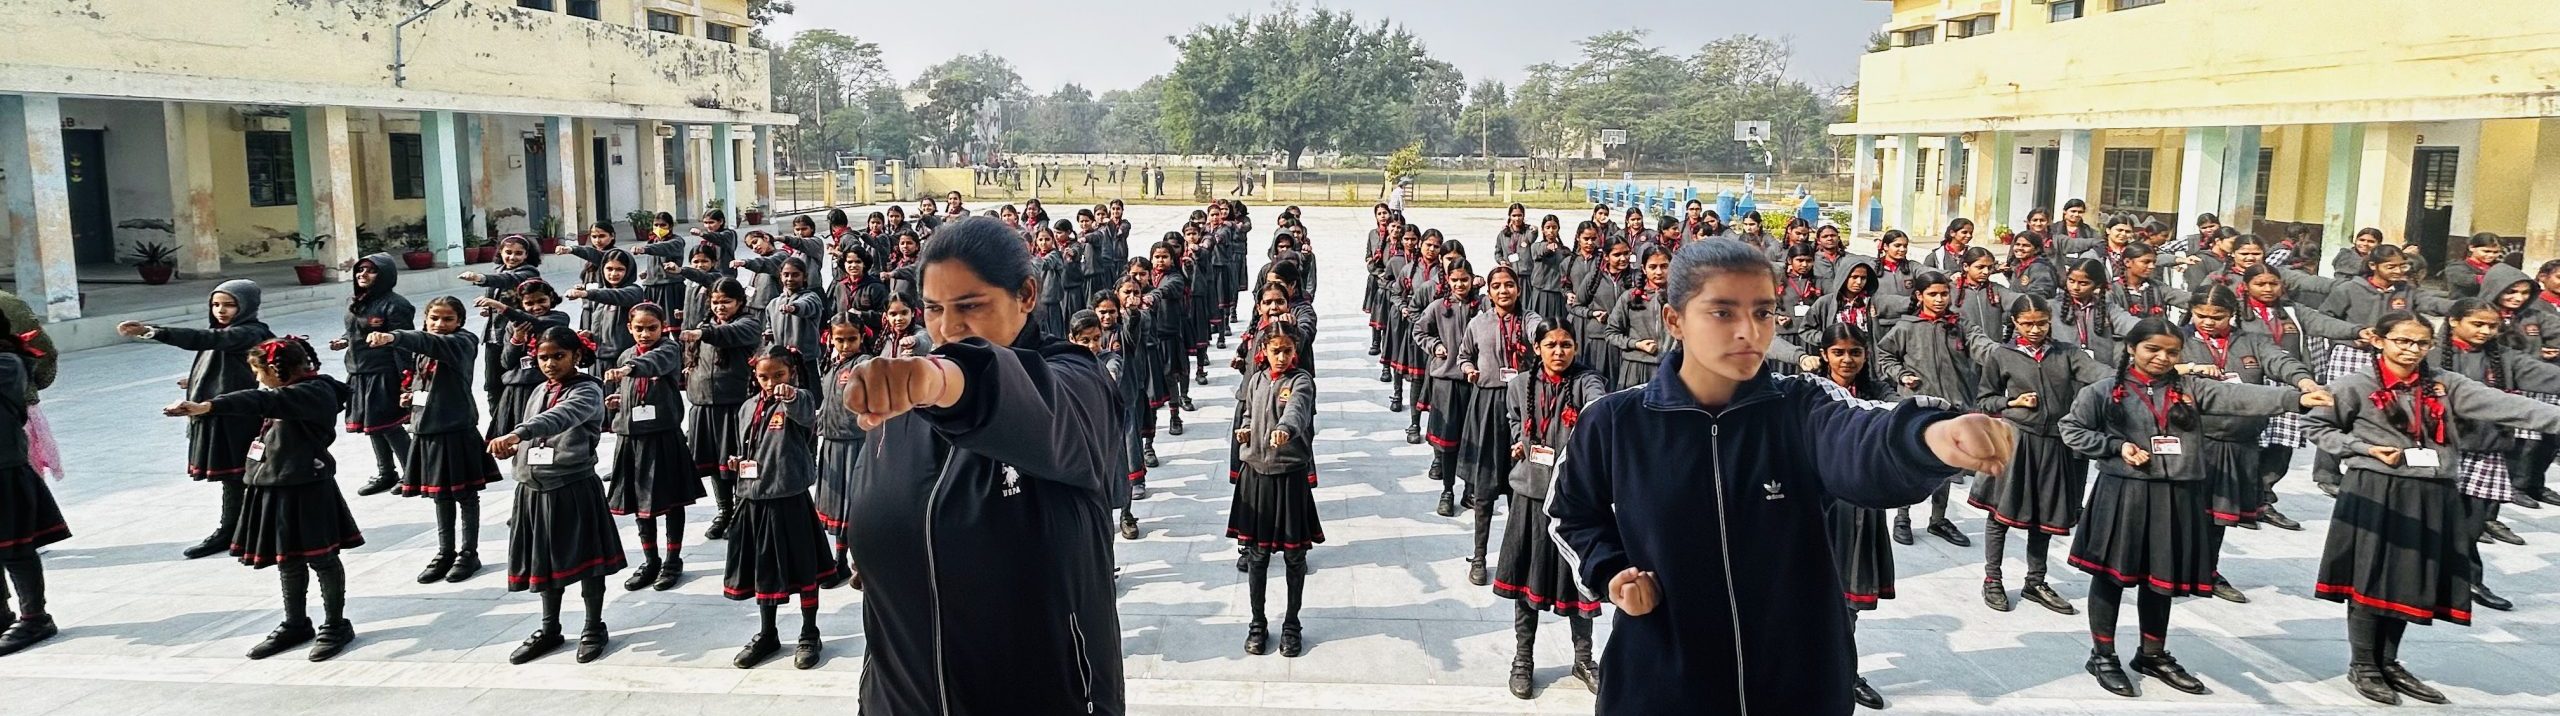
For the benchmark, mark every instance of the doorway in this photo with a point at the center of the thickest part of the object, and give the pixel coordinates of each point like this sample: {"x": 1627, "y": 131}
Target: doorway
{"x": 602, "y": 181}
{"x": 537, "y": 185}
{"x": 84, "y": 174}
{"x": 2431, "y": 181}
{"x": 2048, "y": 173}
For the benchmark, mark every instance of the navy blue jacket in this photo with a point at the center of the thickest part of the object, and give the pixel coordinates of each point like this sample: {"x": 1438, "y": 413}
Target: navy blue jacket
{"x": 1726, "y": 509}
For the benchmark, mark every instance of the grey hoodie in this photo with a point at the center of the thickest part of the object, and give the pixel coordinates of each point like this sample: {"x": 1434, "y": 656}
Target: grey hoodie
{"x": 222, "y": 351}
{"x": 1267, "y": 403}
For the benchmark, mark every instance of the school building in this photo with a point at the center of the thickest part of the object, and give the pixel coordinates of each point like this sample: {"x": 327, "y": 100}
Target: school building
{"x": 2425, "y": 120}
{"x": 228, "y": 129}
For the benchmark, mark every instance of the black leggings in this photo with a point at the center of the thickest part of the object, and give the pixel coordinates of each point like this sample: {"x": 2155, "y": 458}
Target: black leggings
{"x": 462, "y": 511}
{"x": 2152, "y": 608}
{"x": 675, "y": 536}
{"x": 2373, "y": 638}
{"x": 389, "y": 448}
{"x": 808, "y": 617}
{"x": 297, "y": 585}
{"x": 590, "y": 591}
{"x": 1937, "y": 506}
{"x": 26, "y": 575}
{"x": 1995, "y": 540}
{"x": 1258, "y": 569}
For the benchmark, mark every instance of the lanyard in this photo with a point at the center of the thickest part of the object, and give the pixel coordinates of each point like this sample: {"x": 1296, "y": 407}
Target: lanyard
{"x": 2221, "y": 351}
{"x": 1547, "y": 407}
{"x": 2159, "y": 409}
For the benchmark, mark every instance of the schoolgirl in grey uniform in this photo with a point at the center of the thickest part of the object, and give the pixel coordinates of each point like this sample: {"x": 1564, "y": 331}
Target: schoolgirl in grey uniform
{"x": 449, "y": 461}
{"x": 519, "y": 260}
{"x": 796, "y": 317}
{"x": 1597, "y": 289}
{"x": 1274, "y": 509}
{"x": 2030, "y": 381}
{"x": 1851, "y": 299}
{"x": 217, "y": 445}
{"x": 1497, "y": 348}
{"x": 1440, "y": 331}
{"x": 653, "y": 474}
{"x": 29, "y": 516}
{"x": 1422, "y": 283}
{"x": 2268, "y": 310}
{"x": 840, "y": 439}
{"x": 375, "y": 373}
{"x": 1634, "y": 327}
{"x": 1927, "y": 354}
{"x": 777, "y": 550}
{"x": 2229, "y": 455}
{"x": 561, "y": 533}
{"x": 2476, "y": 346}
{"x": 719, "y": 358}
{"x": 608, "y": 304}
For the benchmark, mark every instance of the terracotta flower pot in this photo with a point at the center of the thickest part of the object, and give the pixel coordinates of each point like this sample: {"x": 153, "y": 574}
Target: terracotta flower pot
{"x": 479, "y": 254}
{"x": 310, "y": 274}
{"x": 418, "y": 260}
{"x": 156, "y": 274}
{"x": 550, "y": 244}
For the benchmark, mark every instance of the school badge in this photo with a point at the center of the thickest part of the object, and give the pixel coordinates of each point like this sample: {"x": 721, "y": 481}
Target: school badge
{"x": 1284, "y": 393}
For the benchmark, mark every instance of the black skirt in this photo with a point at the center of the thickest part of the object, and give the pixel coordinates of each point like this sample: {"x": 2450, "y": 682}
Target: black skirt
{"x": 1544, "y": 302}
{"x": 1446, "y": 399}
{"x": 1631, "y": 373}
{"x": 1602, "y": 357}
{"x": 1276, "y": 512}
{"x": 2232, "y": 493}
{"x": 776, "y": 551}
{"x": 561, "y": 536}
{"x": 508, "y": 412}
{"x": 670, "y": 295}
{"x": 1051, "y": 318}
{"x": 218, "y": 447}
{"x": 1862, "y": 548}
{"x": 293, "y": 523}
{"x": 29, "y": 518}
{"x": 446, "y": 466}
{"x": 835, "y": 482}
{"x": 714, "y": 438}
{"x": 2150, "y": 533}
{"x": 374, "y": 404}
{"x": 653, "y": 475}
{"x": 1532, "y": 570}
{"x": 2400, "y": 546}
{"x": 2042, "y": 489}
{"x": 1484, "y": 445}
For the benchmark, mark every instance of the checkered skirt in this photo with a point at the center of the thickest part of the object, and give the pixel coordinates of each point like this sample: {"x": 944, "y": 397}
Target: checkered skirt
{"x": 2547, "y": 399}
{"x": 2346, "y": 358}
{"x": 2484, "y": 475}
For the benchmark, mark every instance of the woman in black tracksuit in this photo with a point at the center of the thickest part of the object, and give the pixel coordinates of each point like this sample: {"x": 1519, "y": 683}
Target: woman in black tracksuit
{"x": 561, "y": 533}
{"x": 375, "y": 373}
{"x": 217, "y": 445}
{"x": 2030, "y": 381}
{"x": 1439, "y": 330}
{"x": 291, "y": 514}
{"x": 1541, "y": 405}
{"x": 777, "y": 550}
{"x": 1496, "y": 348}
{"x": 449, "y": 461}
{"x": 719, "y": 360}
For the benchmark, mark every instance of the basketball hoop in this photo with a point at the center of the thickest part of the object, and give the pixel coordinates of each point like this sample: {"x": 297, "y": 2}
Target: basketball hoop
{"x": 1613, "y": 137}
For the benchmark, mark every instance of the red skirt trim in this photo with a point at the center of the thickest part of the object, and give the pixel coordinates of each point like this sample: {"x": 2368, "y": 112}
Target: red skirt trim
{"x": 1540, "y": 600}
{"x": 538, "y": 581}
{"x": 260, "y": 560}
{"x": 355, "y": 427}
{"x": 33, "y": 536}
{"x": 2004, "y": 519}
{"x": 193, "y": 471}
{"x": 2343, "y": 592}
{"x": 2144, "y": 578}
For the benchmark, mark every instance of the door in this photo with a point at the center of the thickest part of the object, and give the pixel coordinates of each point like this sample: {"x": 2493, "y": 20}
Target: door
{"x": 2430, "y": 224}
{"x": 537, "y": 185}
{"x": 2048, "y": 170}
{"x": 602, "y": 181}
{"x": 84, "y": 173}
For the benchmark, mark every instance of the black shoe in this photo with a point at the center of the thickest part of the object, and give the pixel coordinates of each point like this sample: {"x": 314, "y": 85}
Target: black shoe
{"x": 1589, "y": 672}
{"x": 1448, "y": 504}
{"x": 1191, "y": 407}
{"x": 2525, "y": 501}
{"x": 1866, "y": 695}
{"x": 843, "y": 575}
{"x": 542, "y": 642}
{"x": 1948, "y": 531}
{"x": 213, "y": 544}
{"x": 1373, "y": 350}
{"x": 2370, "y": 684}
{"x": 1413, "y": 436}
{"x": 465, "y": 564}
{"x": 2546, "y": 495}
{"x": 26, "y": 632}
{"x": 1244, "y": 561}
{"x": 2481, "y": 595}
{"x": 1523, "y": 678}
{"x": 2223, "y": 590}
{"x": 1395, "y": 403}
{"x": 2246, "y": 525}
{"x": 1222, "y": 341}
{"x": 1128, "y": 526}
{"x": 1385, "y": 374}
{"x": 1902, "y": 531}
{"x": 332, "y": 640}
{"x": 668, "y": 574}
{"x": 2407, "y": 683}
{"x": 1138, "y": 490}
{"x": 2111, "y": 675}
{"x": 2270, "y": 516}
{"x": 1292, "y": 642}
{"x": 1152, "y": 460}
{"x": 2042, "y": 593}
{"x": 719, "y": 528}
{"x": 288, "y": 635}
{"x": 805, "y": 656}
{"x": 1175, "y": 428}
{"x": 381, "y": 483}
{"x": 592, "y": 642}
{"x": 758, "y": 649}
{"x": 2328, "y": 489}
{"x": 2499, "y": 531}
{"x": 1475, "y": 572}
{"x": 1201, "y": 379}
{"x": 1995, "y": 596}
{"x": 437, "y": 569}
{"x": 2164, "y": 667}
{"x": 641, "y": 577}
{"x": 1256, "y": 638}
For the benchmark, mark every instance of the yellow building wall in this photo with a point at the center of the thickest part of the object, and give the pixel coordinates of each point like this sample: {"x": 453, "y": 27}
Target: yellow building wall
{"x": 2507, "y": 148}
{"x": 244, "y": 230}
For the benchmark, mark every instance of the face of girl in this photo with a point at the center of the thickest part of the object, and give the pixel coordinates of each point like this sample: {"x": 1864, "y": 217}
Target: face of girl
{"x": 2157, "y": 356}
{"x": 804, "y": 230}
{"x": 1897, "y": 249}
{"x": 365, "y": 273}
{"x": 1750, "y": 225}
{"x": 1858, "y": 278}
{"x": 1617, "y": 258}
{"x": 1599, "y": 215}
{"x": 1799, "y": 265}
{"x": 702, "y": 262}
{"x": 1934, "y": 298}
{"x": 1828, "y": 239}
{"x": 2074, "y": 214}
{"x": 1430, "y": 250}
{"x": 2118, "y": 234}
{"x": 2266, "y": 288}
{"x": 1845, "y": 358}
{"x": 511, "y": 255}
{"x": 2392, "y": 271}
{"x": 1504, "y": 288}
{"x": 646, "y": 327}
{"x": 2515, "y": 296}
{"x": 2023, "y": 251}
{"x": 2247, "y": 255}
{"x": 844, "y": 339}
{"x": 709, "y": 223}
{"x": 1586, "y": 238}
{"x": 600, "y": 238}
{"x": 760, "y": 244}
{"x": 2033, "y": 326}
{"x": 1978, "y": 271}
{"x": 2211, "y": 320}
{"x": 1280, "y": 353}
{"x": 898, "y": 318}
{"x": 907, "y": 245}
{"x": 1550, "y": 229}
{"x": 2365, "y": 242}
{"x": 1796, "y": 233}
{"x": 2488, "y": 254}
{"x": 1108, "y": 309}
{"x": 1090, "y": 338}
{"x": 1273, "y": 304}
{"x": 1461, "y": 281}
{"x": 855, "y": 265}
{"x": 538, "y": 303}
{"x": 2139, "y": 267}
{"x": 771, "y": 372}
{"x": 1518, "y": 217}
{"x": 442, "y": 320}
{"x": 2080, "y": 285}
{"x": 1162, "y": 257}
{"x": 2405, "y": 344}
{"x": 2037, "y": 223}
{"x": 958, "y": 305}
{"x": 793, "y": 278}
{"x": 615, "y": 271}
{"x": 1040, "y": 242}
{"x": 1727, "y": 324}
{"x": 875, "y": 224}
{"x": 557, "y": 362}
{"x": 1555, "y": 351}
{"x": 2475, "y": 328}
{"x": 224, "y": 308}
{"x": 724, "y": 306}
{"x": 1961, "y": 237}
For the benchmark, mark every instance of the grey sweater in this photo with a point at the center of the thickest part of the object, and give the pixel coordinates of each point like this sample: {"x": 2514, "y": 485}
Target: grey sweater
{"x": 2101, "y": 424}
{"x": 2354, "y": 425}
{"x": 566, "y": 417}
{"x": 1284, "y": 403}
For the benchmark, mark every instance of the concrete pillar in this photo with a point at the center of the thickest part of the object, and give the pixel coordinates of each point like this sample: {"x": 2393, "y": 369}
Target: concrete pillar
{"x": 1998, "y": 200}
{"x": 687, "y": 202}
{"x": 326, "y": 167}
{"x": 2382, "y": 192}
{"x": 561, "y": 142}
{"x": 897, "y": 180}
{"x": 2071, "y": 172}
{"x": 652, "y": 153}
{"x": 39, "y": 203}
{"x": 2200, "y": 176}
{"x": 1902, "y": 174}
{"x": 2465, "y": 138}
{"x": 724, "y": 171}
{"x": 1862, "y": 191}
{"x": 441, "y": 135}
{"x": 2542, "y": 205}
{"x": 2339, "y": 211}
{"x": 187, "y": 132}
{"x": 485, "y": 144}
{"x": 763, "y": 162}
{"x": 1952, "y": 161}
{"x": 2240, "y": 177}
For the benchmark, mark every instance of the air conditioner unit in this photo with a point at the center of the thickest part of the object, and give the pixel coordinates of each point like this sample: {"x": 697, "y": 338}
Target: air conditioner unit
{"x": 256, "y": 122}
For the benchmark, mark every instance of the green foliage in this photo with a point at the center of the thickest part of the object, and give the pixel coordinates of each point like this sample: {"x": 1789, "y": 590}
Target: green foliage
{"x": 1405, "y": 162}
{"x": 154, "y": 254}
{"x": 957, "y": 95}
{"x": 1676, "y": 109}
{"x": 820, "y": 75}
{"x": 1293, "y": 81}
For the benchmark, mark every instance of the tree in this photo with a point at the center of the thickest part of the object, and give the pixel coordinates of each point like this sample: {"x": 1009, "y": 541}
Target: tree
{"x": 1488, "y": 124}
{"x": 817, "y": 74}
{"x": 1288, "y": 82}
{"x": 1131, "y": 120}
{"x": 878, "y": 126}
{"x": 1439, "y": 96}
{"x": 955, "y": 116}
{"x": 1066, "y": 121}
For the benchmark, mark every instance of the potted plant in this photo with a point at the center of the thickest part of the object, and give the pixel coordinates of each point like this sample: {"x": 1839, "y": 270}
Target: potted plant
{"x": 751, "y": 215}
{"x": 417, "y": 257}
{"x": 309, "y": 271}
{"x": 156, "y": 261}
{"x": 476, "y": 249}
{"x": 640, "y": 220}
{"x": 715, "y": 205}
{"x": 549, "y": 234}
{"x": 370, "y": 241}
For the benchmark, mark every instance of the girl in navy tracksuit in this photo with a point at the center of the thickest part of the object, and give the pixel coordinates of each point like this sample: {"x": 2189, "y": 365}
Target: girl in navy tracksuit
{"x": 1696, "y": 503}
{"x": 1541, "y": 406}
{"x": 217, "y": 445}
{"x": 653, "y": 475}
{"x": 375, "y": 373}
{"x": 449, "y": 461}
{"x": 561, "y": 533}
{"x": 777, "y": 550}
{"x": 719, "y": 358}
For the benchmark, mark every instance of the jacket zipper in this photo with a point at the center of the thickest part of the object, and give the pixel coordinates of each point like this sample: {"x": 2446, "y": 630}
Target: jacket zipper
{"x": 1724, "y": 550}
{"x": 933, "y": 584}
{"x": 1084, "y": 665}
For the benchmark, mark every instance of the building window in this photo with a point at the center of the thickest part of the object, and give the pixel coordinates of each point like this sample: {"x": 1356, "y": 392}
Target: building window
{"x": 2126, "y": 184}
{"x": 408, "y": 167}
{"x": 2266, "y": 178}
{"x": 583, "y": 8}
{"x": 720, "y": 33}
{"x": 739, "y": 152}
{"x": 543, "y": 5}
{"x": 2436, "y": 167}
{"x": 1916, "y": 37}
{"x": 667, "y": 153}
{"x": 2065, "y": 10}
{"x": 270, "y": 165}
{"x": 2131, "y": 4}
{"x": 1973, "y": 26}
{"x": 666, "y": 22}
{"x": 1920, "y": 170}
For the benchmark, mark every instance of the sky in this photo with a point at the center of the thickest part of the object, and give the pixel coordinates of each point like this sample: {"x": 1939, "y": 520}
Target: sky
{"x": 1116, "y": 44}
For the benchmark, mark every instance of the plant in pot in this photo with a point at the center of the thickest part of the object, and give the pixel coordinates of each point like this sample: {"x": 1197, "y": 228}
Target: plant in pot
{"x": 309, "y": 270}
{"x": 753, "y": 214}
{"x": 416, "y": 257}
{"x": 639, "y": 219}
{"x": 549, "y": 234}
{"x": 476, "y": 249}
{"x": 156, "y": 261}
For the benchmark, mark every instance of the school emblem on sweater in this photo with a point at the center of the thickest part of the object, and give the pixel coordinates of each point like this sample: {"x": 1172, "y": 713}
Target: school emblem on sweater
{"x": 1284, "y": 393}
{"x": 776, "y": 422}
{"x": 1776, "y": 491}
{"x": 1012, "y": 481}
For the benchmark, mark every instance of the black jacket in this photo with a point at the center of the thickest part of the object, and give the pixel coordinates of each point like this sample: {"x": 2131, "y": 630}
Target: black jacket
{"x": 719, "y": 368}
{"x": 443, "y": 374}
{"x": 301, "y": 422}
{"x": 222, "y": 350}
{"x": 380, "y": 309}
{"x": 987, "y": 575}
{"x": 777, "y": 435}
{"x": 1725, "y": 507}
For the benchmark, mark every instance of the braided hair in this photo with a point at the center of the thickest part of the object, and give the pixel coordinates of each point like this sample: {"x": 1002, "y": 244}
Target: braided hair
{"x": 289, "y": 356}
{"x": 2492, "y": 351}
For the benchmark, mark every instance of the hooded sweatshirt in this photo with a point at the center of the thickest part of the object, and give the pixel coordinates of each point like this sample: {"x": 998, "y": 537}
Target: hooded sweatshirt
{"x": 301, "y": 422}
{"x": 440, "y": 399}
{"x": 380, "y": 309}
{"x": 222, "y": 351}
